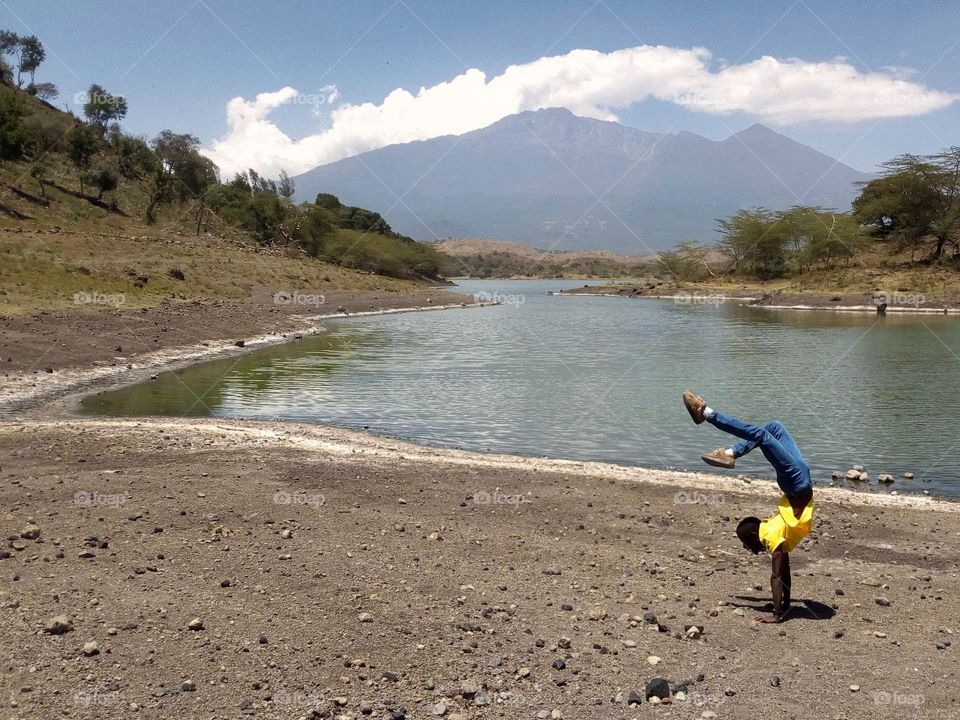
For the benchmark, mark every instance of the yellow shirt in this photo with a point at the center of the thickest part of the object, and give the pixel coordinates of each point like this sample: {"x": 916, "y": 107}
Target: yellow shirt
{"x": 785, "y": 528}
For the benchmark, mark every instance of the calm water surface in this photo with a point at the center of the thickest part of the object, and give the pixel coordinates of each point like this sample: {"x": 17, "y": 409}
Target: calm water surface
{"x": 600, "y": 379}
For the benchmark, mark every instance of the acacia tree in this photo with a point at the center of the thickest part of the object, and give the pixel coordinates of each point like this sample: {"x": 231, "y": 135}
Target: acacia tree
{"x": 46, "y": 91}
{"x": 753, "y": 241}
{"x": 815, "y": 235}
{"x": 919, "y": 196}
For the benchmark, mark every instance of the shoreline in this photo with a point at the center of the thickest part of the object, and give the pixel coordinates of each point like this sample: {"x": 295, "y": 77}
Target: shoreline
{"x": 20, "y": 392}
{"x": 339, "y": 441}
{"x": 57, "y": 402}
{"x": 709, "y": 297}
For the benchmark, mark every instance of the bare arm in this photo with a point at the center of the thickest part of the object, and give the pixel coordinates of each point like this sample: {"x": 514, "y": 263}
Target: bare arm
{"x": 780, "y": 581}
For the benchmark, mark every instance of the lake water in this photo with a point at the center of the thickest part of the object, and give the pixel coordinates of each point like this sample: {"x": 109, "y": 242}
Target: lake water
{"x": 596, "y": 378}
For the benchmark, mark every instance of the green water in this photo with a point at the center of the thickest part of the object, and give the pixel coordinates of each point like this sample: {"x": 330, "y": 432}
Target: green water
{"x": 600, "y": 379}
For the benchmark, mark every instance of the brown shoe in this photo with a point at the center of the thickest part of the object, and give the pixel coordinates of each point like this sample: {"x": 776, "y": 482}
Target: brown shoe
{"x": 719, "y": 458}
{"x": 695, "y": 406}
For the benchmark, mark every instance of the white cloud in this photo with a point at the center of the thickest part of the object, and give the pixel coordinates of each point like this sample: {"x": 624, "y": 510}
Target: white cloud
{"x": 587, "y": 82}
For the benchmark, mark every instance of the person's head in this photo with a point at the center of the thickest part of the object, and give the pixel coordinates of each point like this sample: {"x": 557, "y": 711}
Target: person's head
{"x": 749, "y": 533}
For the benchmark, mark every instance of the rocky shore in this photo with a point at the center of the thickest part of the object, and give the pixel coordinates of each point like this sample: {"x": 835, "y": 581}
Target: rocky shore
{"x": 217, "y": 569}
{"x": 894, "y": 302}
{"x": 210, "y": 569}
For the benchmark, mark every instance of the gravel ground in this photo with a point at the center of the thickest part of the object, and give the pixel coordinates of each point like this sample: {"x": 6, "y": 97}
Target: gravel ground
{"x": 211, "y": 569}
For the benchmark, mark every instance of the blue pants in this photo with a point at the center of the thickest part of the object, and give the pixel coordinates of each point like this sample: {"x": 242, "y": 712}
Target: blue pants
{"x": 777, "y": 446}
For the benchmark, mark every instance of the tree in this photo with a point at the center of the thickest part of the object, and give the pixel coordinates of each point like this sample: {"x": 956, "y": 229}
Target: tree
{"x": 30, "y": 54}
{"x": 8, "y": 43}
{"x": 193, "y": 173}
{"x": 181, "y": 171}
{"x": 753, "y": 241}
{"x": 104, "y": 178}
{"x": 45, "y": 134}
{"x": 919, "y": 196}
{"x": 286, "y": 187}
{"x": 83, "y": 144}
{"x": 46, "y": 91}
{"x": 13, "y": 136}
{"x": 328, "y": 201}
{"x": 102, "y": 108}
{"x": 133, "y": 155}
{"x": 814, "y": 235}
{"x": 678, "y": 264}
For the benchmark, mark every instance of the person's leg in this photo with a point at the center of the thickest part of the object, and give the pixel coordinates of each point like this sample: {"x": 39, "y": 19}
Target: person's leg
{"x": 752, "y": 436}
{"x": 776, "y": 428}
{"x": 796, "y": 484}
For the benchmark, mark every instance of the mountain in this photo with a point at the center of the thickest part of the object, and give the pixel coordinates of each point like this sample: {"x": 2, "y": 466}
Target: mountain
{"x": 555, "y": 180}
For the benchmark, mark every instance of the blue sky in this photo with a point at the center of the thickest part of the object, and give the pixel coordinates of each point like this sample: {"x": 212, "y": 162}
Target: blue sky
{"x": 180, "y": 62}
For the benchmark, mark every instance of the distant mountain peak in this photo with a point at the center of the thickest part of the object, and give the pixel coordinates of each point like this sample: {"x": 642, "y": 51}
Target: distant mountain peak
{"x": 552, "y": 179}
{"x": 758, "y": 130}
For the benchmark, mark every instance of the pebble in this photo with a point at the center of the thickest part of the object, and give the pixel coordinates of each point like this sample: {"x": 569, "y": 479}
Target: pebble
{"x": 30, "y": 532}
{"x": 470, "y": 687}
{"x": 188, "y": 686}
{"x": 58, "y": 625}
{"x": 439, "y": 709}
{"x": 658, "y": 688}
{"x": 908, "y": 475}
{"x": 597, "y": 614}
{"x": 882, "y": 601}
{"x": 196, "y": 624}
{"x": 653, "y": 659}
{"x": 91, "y": 648}
{"x": 854, "y": 688}
{"x": 365, "y": 617}
{"x": 775, "y": 681}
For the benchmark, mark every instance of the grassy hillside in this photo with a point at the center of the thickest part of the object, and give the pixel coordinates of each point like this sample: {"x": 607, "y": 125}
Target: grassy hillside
{"x": 56, "y": 242}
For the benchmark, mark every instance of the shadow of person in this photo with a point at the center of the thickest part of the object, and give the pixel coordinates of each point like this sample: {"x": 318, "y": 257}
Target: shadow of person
{"x": 799, "y": 609}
